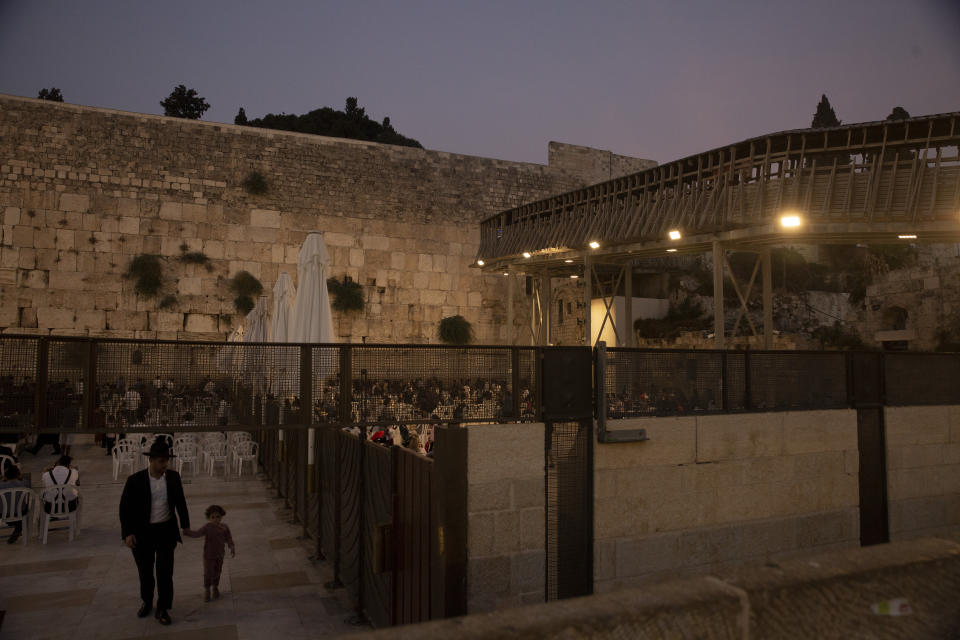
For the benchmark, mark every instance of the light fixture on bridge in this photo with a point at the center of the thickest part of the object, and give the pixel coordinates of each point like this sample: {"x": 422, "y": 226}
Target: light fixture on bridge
{"x": 574, "y": 276}
{"x": 671, "y": 250}
{"x": 674, "y": 234}
{"x": 907, "y": 236}
{"x": 506, "y": 273}
{"x": 594, "y": 244}
{"x": 480, "y": 263}
{"x": 526, "y": 254}
{"x": 569, "y": 260}
{"x": 790, "y": 221}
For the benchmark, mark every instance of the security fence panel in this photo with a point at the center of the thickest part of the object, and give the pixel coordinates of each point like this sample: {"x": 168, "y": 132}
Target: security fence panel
{"x": 350, "y": 452}
{"x": 68, "y": 363}
{"x": 782, "y": 380}
{"x": 655, "y": 383}
{"x": 377, "y": 555}
{"x": 325, "y": 363}
{"x": 330, "y": 477}
{"x": 922, "y": 378}
{"x": 18, "y": 383}
{"x": 303, "y": 479}
{"x": 413, "y": 530}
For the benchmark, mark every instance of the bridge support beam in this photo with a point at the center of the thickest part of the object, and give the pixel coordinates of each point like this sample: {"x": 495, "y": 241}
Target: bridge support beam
{"x": 767, "y": 275}
{"x": 511, "y": 291}
{"x": 546, "y": 306}
{"x": 718, "y": 294}
{"x": 587, "y": 299}
{"x": 629, "y": 336}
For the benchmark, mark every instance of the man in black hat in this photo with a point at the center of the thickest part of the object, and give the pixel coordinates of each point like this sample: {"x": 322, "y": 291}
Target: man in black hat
{"x": 151, "y": 503}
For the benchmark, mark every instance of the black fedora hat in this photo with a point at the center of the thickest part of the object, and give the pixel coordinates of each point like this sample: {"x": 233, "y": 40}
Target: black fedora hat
{"x": 159, "y": 449}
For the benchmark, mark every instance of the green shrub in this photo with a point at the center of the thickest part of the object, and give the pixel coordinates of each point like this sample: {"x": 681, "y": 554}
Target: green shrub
{"x": 685, "y": 315}
{"x": 245, "y": 287}
{"x": 837, "y": 337}
{"x": 167, "y": 302}
{"x": 347, "y": 294}
{"x": 148, "y": 272}
{"x": 255, "y": 184}
{"x": 455, "y": 330}
{"x": 194, "y": 257}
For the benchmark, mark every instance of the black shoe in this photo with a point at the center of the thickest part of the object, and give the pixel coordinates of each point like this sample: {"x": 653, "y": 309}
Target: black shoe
{"x": 144, "y": 610}
{"x": 163, "y": 617}
{"x": 13, "y": 537}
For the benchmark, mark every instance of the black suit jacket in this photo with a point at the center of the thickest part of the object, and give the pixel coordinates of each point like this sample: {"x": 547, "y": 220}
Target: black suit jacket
{"x": 135, "y": 503}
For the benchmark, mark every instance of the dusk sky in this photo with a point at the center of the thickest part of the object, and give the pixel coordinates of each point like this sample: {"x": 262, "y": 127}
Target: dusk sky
{"x": 660, "y": 79}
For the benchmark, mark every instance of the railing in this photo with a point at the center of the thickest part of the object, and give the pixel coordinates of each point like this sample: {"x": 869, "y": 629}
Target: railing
{"x": 142, "y": 385}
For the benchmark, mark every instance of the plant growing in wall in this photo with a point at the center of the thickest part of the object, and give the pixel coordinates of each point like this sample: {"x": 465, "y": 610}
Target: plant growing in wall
{"x": 255, "y": 184}
{"x": 194, "y": 257}
{"x": 168, "y": 302}
{"x": 347, "y": 294}
{"x": 147, "y": 272}
{"x": 455, "y": 330}
{"x": 245, "y": 287}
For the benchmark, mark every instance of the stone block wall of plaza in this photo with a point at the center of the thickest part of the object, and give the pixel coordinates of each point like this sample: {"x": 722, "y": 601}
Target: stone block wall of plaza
{"x": 84, "y": 190}
{"x": 708, "y": 492}
{"x": 923, "y": 471}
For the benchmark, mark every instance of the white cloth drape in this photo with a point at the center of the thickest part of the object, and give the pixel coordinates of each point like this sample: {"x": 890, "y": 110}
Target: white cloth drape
{"x": 312, "y": 319}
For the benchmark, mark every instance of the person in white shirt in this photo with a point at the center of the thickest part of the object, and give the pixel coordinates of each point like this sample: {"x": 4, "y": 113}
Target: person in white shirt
{"x": 61, "y": 475}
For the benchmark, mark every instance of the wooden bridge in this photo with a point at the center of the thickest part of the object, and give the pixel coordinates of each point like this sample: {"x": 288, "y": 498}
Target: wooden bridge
{"x": 890, "y": 181}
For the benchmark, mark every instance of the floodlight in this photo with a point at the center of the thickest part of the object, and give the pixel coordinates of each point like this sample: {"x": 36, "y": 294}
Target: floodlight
{"x": 526, "y": 254}
{"x": 574, "y": 276}
{"x": 907, "y": 236}
{"x": 674, "y": 234}
{"x": 480, "y": 263}
{"x": 594, "y": 244}
{"x": 671, "y": 250}
{"x": 790, "y": 221}
{"x": 569, "y": 260}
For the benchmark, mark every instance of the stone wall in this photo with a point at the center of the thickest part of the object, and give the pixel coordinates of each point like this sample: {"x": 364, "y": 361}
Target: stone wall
{"x": 84, "y": 190}
{"x": 923, "y": 471}
{"x": 505, "y": 516}
{"x": 594, "y": 165}
{"x": 712, "y": 491}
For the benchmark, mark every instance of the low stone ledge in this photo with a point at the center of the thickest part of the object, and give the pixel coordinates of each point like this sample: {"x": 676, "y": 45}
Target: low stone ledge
{"x": 837, "y": 595}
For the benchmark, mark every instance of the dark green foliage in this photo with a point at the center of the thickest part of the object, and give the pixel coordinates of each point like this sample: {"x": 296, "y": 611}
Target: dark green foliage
{"x": 241, "y": 117}
{"x": 194, "y": 257}
{"x": 167, "y": 302}
{"x": 245, "y": 287}
{"x": 243, "y": 304}
{"x": 184, "y": 103}
{"x": 347, "y": 294}
{"x": 52, "y": 94}
{"x": 255, "y": 183}
{"x": 683, "y": 316}
{"x": 226, "y": 319}
{"x": 898, "y": 113}
{"x": 352, "y": 122}
{"x": 825, "y": 115}
{"x": 148, "y": 273}
{"x": 837, "y": 337}
{"x": 455, "y": 330}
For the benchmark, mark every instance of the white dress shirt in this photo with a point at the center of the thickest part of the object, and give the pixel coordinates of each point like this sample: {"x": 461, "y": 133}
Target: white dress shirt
{"x": 61, "y": 475}
{"x": 159, "y": 508}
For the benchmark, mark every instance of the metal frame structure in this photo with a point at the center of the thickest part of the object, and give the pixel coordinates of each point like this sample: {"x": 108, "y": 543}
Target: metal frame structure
{"x": 884, "y": 181}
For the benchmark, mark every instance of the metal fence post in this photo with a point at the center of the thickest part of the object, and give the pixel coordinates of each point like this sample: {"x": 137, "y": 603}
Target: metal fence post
{"x": 346, "y": 384}
{"x": 724, "y": 383}
{"x": 747, "y": 394}
{"x": 40, "y": 397}
{"x": 515, "y": 383}
{"x": 89, "y": 398}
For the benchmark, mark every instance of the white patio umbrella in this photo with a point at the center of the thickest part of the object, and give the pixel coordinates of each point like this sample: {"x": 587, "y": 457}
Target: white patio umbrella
{"x": 256, "y": 332}
{"x": 312, "y": 319}
{"x": 283, "y": 295}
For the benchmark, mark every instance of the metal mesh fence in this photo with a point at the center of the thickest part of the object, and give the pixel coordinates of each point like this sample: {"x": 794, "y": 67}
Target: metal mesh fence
{"x": 325, "y": 362}
{"x": 797, "y": 380}
{"x": 18, "y": 380}
{"x": 569, "y": 505}
{"x": 922, "y": 378}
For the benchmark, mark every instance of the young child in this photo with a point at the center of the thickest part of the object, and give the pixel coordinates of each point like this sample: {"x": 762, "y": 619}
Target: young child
{"x": 215, "y": 534}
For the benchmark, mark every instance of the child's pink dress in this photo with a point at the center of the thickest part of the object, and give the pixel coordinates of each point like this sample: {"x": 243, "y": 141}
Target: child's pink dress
{"x": 214, "y": 537}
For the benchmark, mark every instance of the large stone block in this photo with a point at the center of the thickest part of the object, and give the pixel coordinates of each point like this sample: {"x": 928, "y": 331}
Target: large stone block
{"x": 639, "y": 556}
{"x": 480, "y": 534}
{"x": 726, "y": 437}
{"x": 488, "y": 496}
{"x": 74, "y": 202}
{"x": 671, "y": 441}
{"x": 528, "y": 571}
{"x": 53, "y": 318}
{"x": 171, "y": 211}
{"x": 810, "y": 431}
{"x": 266, "y": 218}
{"x": 497, "y": 452}
{"x": 917, "y": 425}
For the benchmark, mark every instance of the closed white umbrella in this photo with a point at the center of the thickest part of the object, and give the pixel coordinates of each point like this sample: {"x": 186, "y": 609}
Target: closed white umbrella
{"x": 257, "y": 323}
{"x": 283, "y": 294}
{"x": 312, "y": 319}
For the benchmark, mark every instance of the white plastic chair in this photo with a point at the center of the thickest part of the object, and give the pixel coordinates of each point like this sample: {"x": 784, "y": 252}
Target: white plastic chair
{"x": 5, "y": 461}
{"x": 246, "y": 451}
{"x": 215, "y": 452}
{"x": 12, "y": 502}
{"x": 58, "y": 497}
{"x": 125, "y": 452}
{"x": 185, "y": 452}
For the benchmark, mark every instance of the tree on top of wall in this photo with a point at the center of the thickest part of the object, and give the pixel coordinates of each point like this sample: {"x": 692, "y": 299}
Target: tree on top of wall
{"x": 184, "y": 103}
{"x": 899, "y": 113}
{"x": 825, "y": 115}
{"x": 51, "y": 94}
{"x": 241, "y": 117}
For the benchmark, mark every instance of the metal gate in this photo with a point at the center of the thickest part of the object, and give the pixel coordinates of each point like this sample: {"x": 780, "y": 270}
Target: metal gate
{"x": 866, "y": 386}
{"x": 377, "y": 514}
{"x": 566, "y": 373}
{"x": 413, "y": 537}
{"x": 349, "y": 452}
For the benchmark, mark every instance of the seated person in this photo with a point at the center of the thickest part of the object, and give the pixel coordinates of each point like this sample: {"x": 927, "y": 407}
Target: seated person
{"x": 61, "y": 474}
{"x": 11, "y": 480}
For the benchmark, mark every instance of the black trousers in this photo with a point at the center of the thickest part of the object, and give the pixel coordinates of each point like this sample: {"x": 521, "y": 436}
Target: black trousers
{"x": 155, "y": 549}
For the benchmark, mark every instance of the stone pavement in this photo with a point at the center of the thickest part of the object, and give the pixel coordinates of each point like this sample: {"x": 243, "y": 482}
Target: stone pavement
{"x": 88, "y": 588}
